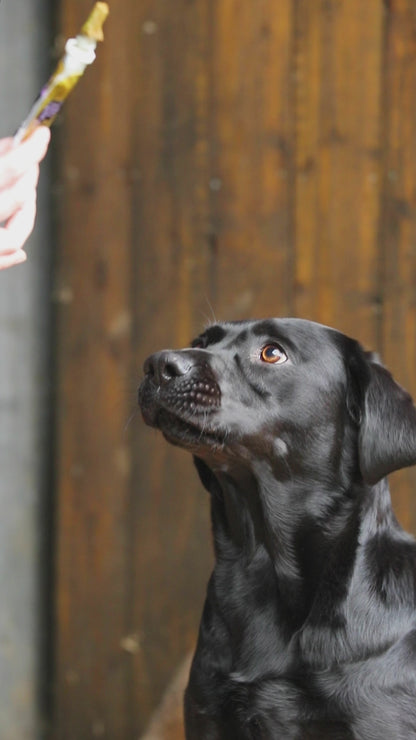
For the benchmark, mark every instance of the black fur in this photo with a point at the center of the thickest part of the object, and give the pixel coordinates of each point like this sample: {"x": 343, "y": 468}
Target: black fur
{"x": 309, "y": 625}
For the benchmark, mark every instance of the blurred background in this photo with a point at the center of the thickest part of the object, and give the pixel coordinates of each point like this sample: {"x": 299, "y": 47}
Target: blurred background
{"x": 221, "y": 159}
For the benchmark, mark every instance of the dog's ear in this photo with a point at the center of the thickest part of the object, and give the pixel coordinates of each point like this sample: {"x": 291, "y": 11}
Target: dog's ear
{"x": 385, "y": 414}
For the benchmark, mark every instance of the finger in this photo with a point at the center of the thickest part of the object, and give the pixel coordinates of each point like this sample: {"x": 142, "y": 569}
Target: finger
{"x": 13, "y": 199}
{"x": 9, "y": 260}
{"x": 39, "y": 141}
{"x": 6, "y": 145}
{"x": 18, "y": 228}
{"x": 16, "y": 161}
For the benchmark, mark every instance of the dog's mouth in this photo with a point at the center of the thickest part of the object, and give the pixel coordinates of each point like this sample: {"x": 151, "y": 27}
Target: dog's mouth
{"x": 186, "y": 433}
{"x": 184, "y": 410}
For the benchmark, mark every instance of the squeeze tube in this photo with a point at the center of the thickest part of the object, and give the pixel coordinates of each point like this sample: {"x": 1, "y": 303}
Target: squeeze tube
{"x": 79, "y": 53}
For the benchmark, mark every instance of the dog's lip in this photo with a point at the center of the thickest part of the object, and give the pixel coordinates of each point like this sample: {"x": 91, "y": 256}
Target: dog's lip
{"x": 185, "y": 430}
{"x": 186, "y": 411}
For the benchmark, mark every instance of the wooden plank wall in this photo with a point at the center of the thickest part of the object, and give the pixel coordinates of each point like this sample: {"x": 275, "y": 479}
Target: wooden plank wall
{"x": 221, "y": 158}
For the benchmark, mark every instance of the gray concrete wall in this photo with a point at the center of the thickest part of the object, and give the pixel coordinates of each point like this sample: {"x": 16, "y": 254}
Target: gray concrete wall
{"x": 24, "y": 391}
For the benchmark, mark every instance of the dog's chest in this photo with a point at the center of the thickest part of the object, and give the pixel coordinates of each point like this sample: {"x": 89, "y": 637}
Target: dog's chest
{"x": 256, "y": 685}
{"x": 259, "y": 681}
{"x": 265, "y": 708}
{"x": 244, "y": 665}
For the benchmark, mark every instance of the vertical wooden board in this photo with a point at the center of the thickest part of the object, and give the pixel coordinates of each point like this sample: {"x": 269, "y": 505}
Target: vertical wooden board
{"x": 251, "y": 160}
{"x": 398, "y": 226}
{"x": 93, "y": 351}
{"x": 338, "y": 55}
{"x": 170, "y": 534}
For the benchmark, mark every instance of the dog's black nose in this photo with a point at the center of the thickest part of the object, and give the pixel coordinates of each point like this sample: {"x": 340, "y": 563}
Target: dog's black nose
{"x": 167, "y": 365}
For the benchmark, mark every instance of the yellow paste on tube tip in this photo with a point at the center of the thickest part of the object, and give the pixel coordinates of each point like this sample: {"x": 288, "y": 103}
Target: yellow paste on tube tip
{"x": 93, "y": 26}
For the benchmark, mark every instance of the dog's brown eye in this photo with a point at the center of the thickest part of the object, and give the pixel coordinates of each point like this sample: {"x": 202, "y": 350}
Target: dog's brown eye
{"x": 273, "y": 354}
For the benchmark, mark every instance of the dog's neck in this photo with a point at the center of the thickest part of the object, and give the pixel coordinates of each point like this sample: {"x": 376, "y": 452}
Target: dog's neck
{"x": 307, "y": 536}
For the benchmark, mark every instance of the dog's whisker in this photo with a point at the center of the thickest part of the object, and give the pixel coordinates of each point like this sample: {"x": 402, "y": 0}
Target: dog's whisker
{"x": 212, "y": 318}
{"x": 130, "y": 420}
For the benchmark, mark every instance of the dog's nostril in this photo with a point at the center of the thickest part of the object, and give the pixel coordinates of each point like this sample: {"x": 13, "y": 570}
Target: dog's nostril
{"x": 173, "y": 365}
{"x": 165, "y": 366}
{"x": 170, "y": 370}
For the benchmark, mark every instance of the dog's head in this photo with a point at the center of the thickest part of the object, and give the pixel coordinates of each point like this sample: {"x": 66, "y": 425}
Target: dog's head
{"x": 292, "y": 391}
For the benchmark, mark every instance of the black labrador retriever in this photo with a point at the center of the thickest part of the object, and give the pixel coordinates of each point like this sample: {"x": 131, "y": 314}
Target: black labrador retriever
{"x": 309, "y": 625}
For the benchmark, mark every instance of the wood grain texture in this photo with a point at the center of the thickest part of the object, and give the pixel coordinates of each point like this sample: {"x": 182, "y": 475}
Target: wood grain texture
{"x": 93, "y": 340}
{"x": 251, "y": 136}
{"x": 220, "y": 159}
{"x": 338, "y": 139}
{"x": 398, "y": 225}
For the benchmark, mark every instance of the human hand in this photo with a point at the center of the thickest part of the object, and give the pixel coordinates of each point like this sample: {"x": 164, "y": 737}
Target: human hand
{"x": 19, "y": 174}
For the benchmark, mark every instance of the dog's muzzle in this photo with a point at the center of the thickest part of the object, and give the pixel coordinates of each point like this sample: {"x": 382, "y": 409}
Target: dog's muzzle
{"x": 181, "y": 383}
